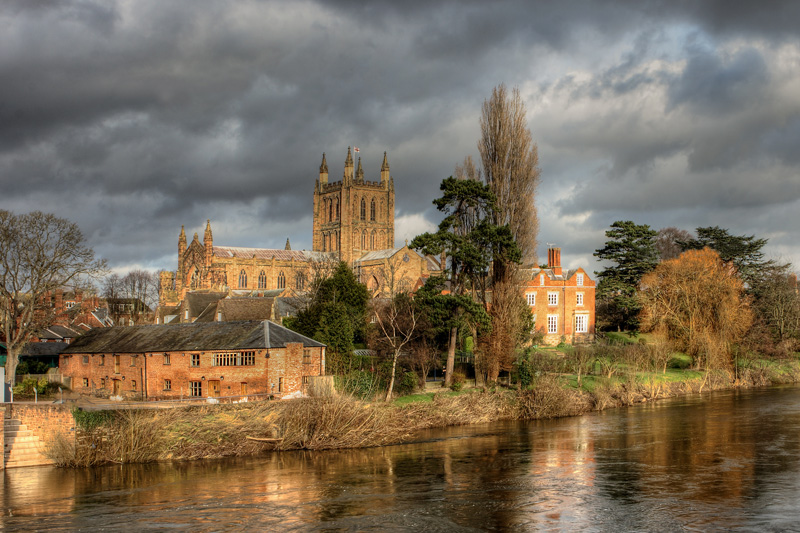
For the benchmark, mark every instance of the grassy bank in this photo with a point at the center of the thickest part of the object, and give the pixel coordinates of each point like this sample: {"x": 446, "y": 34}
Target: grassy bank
{"x": 134, "y": 436}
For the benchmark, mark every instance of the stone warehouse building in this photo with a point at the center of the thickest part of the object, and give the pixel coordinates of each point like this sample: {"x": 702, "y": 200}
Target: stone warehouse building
{"x": 562, "y": 302}
{"x": 353, "y": 222}
{"x": 204, "y": 359}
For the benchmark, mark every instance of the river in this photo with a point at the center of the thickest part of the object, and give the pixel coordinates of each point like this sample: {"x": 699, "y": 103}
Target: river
{"x": 719, "y": 461}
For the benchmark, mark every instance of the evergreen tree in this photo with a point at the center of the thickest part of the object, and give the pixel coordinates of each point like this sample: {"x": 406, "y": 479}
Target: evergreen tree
{"x": 742, "y": 251}
{"x": 470, "y": 241}
{"x": 631, "y": 249}
{"x": 335, "y": 316}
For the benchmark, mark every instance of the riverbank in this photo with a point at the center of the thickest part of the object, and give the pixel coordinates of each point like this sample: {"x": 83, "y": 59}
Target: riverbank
{"x": 338, "y": 422}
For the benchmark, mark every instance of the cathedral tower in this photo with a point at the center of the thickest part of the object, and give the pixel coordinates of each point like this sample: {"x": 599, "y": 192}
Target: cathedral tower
{"x": 353, "y": 216}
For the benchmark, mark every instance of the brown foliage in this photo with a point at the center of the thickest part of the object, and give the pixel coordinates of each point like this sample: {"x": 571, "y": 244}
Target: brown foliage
{"x": 697, "y": 302}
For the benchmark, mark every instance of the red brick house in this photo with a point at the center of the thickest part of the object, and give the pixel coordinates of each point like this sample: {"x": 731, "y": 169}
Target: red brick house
{"x": 562, "y": 301}
{"x": 212, "y": 359}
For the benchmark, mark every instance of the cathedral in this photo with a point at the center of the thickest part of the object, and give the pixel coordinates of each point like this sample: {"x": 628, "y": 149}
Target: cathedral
{"x": 353, "y": 222}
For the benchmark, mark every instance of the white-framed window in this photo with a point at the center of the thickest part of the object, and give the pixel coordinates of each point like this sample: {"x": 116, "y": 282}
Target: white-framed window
{"x": 552, "y": 298}
{"x": 541, "y": 280}
{"x": 581, "y": 323}
{"x": 531, "y": 298}
{"x": 579, "y": 299}
{"x": 552, "y": 323}
{"x": 579, "y": 280}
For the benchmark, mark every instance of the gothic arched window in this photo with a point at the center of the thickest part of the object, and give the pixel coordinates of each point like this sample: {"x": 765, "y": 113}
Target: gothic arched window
{"x": 262, "y": 280}
{"x": 281, "y": 280}
{"x": 364, "y": 240}
{"x": 372, "y": 210}
{"x": 363, "y": 209}
{"x": 337, "y": 209}
{"x": 382, "y": 241}
{"x": 300, "y": 281}
{"x": 372, "y": 240}
{"x": 242, "y": 279}
{"x": 330, "y": 210}
{"x": 373, "y": 284}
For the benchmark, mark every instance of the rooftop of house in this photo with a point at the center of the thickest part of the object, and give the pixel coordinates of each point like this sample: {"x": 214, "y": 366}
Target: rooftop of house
{"x": 33, "y": 349}
{"x": 234, "y": 309}
{"x": 240, "y": 335}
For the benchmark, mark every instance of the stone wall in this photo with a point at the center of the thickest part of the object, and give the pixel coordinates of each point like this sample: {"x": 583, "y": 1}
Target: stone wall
{"x": 43, "y": 419}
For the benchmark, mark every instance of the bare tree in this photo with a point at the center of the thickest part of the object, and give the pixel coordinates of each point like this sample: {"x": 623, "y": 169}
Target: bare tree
{"x": 39, "y": 253}
{"x": 397, "y": 320}
{"x": 667, "y": 242}
{"x": 131, "y": 297}
{"x": 467, "y": 170}
{"x": 510, "y": 162}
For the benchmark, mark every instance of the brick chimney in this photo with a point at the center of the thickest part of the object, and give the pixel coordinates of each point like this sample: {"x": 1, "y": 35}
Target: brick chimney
{"x": 59, "y": 303}
{"x": 554, "y": 260}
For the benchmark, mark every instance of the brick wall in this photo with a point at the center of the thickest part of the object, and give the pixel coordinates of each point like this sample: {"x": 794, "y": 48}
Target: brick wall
{"x": 105, "y": 375}
{"x": 287, "y": 368}
{"x": 180, "y": 372}
{"x": 160, "y": 375}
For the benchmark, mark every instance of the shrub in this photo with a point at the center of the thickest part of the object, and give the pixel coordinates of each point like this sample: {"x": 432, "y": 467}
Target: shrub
{"x": 42, "y": 386}
{"x": 525, "y": 372}
{"x": 407, "y": 383}
{"x": 458, "y": 381}
{"x": 359, "y": 383}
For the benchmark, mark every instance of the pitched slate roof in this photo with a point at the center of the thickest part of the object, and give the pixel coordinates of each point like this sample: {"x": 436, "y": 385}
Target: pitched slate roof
{"x": 58, "y": 332}
{"x": 239, "y": 309}
{"x": 242, "y": 335}
{"x": 289, "y": 306}
{"x": 199, "y": 301}
{"x": 43, "y": 348}
{"x": 259, "y": 253}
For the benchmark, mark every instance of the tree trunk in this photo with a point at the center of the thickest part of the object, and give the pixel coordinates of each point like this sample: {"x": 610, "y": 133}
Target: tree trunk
{"x": 391, "y": 381}
{"x": 451, "y": 358}
{"x": 12, "y": 360}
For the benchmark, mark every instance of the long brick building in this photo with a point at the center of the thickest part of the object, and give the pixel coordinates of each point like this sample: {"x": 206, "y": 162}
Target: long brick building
{"x": 203, "y": 359}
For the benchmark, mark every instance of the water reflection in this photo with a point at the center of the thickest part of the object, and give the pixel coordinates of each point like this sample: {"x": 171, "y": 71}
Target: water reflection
{"x": 726, "y": 460}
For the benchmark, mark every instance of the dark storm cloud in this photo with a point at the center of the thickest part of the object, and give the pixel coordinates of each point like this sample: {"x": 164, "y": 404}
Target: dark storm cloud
{"x": 134, "y": 118}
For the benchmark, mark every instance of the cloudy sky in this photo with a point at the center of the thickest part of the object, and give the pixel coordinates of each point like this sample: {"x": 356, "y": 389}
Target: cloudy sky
{"x": 134, "y": 117}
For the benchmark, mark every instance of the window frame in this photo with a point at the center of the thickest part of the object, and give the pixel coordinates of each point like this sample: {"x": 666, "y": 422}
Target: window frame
{"x": 552, "y": 324}
{"x": 581, "y": 323}
{"x": 552, "y": 298}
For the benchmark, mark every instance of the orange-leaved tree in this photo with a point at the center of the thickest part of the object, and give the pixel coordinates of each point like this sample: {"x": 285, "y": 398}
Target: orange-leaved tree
{"x": 698, "y": 302}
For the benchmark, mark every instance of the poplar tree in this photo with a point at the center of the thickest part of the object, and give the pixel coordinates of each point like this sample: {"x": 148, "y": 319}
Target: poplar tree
{"x": 510, "y": 159}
